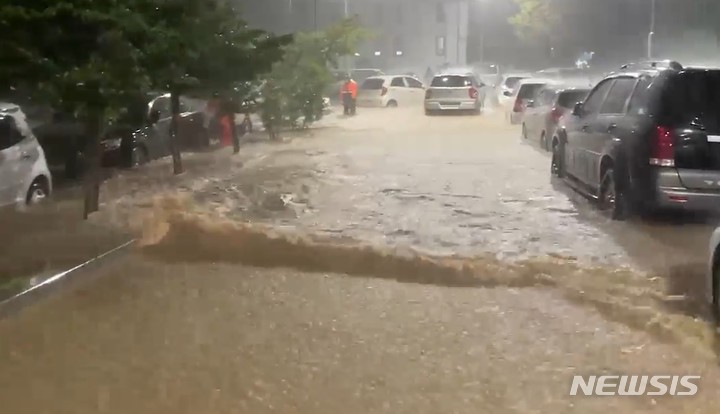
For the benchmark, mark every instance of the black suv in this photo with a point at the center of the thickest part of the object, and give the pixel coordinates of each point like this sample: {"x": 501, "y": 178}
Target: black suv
{"x": 645, "y": 140}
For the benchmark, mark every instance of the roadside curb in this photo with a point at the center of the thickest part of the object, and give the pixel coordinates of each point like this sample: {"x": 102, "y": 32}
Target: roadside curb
{"x": 60, "y": 281}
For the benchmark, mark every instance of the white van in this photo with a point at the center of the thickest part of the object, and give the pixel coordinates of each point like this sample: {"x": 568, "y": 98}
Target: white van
{"x": 24, "y": 174}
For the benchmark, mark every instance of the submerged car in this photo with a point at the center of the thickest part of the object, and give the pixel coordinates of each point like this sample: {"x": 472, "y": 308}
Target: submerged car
{"x": 24, "y": 174}
{"x": 645, "y": 141}
{"x": 454, "y": 92}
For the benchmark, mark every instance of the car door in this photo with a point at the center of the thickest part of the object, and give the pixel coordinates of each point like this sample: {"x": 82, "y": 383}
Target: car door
{"x": 416, "y": 90}
{"x": 158, "y": 139}
{"x": 576, "y": 157}
{"x": 603, "y": 128}
{"x": 399, "y": 90}
{"x": 12, "y": 171}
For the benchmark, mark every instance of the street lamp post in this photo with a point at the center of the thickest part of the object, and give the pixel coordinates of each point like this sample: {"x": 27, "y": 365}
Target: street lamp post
{"x": 651, "y": 34}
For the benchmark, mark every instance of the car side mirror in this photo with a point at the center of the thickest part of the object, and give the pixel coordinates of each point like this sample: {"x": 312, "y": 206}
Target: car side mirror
{"x": 507, "y": 93}
{"x": 578, "y": 109}
{"x": 154, "y": 116}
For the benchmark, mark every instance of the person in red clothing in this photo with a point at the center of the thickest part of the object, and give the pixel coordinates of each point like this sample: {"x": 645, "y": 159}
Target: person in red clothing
{"x": 348, "y": 95}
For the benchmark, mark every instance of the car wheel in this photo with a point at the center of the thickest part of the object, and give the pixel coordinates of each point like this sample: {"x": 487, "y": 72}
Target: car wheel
{"x": 611, "y": 200}
{"x": 138, "y": 157}
{"x": 543, "y": 142}
{"x": 557, "y": 166}
{"x": 429, "y": 112}
{"x": 524, "y": 132}
{"x": 38, "y": 192}
{"x": 392, "y": 104}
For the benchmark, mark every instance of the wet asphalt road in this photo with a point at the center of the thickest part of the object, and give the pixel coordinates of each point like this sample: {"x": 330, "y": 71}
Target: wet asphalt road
{"x": 552, "y": 289}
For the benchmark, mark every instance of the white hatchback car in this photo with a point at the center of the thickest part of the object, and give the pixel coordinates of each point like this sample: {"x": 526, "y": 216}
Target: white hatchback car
{"x": 24, "y": 174}
{"x": 391, "y": 91}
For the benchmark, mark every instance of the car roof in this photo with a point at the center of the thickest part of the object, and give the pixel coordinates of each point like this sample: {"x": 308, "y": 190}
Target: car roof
{"x": 538, "y": 81}
{"x": 454, "y": 73}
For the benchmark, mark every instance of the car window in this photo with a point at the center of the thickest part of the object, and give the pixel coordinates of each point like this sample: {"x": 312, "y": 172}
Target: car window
{"x": 596, "y": 98}
{"x": 638, "y": 101}
{"x": 530, "y": 91}
{"x": 9, "y": 133}
{"x": 618, "y": 96}
{"x": 568, "y": 99}
{"x": 692, "y": 96}
{"x": 414, "y": 83}
{"x": 373, "y": 84}
{"x": 512, "y": 81}
{"x": 546, "y": 97}
{"x": 162, "y": 105}
{"x": 451, "y": 81}
{"x": 398, "y": 82}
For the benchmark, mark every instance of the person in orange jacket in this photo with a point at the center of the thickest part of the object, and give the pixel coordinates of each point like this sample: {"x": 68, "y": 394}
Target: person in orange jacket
{"x": 348, "y": 95}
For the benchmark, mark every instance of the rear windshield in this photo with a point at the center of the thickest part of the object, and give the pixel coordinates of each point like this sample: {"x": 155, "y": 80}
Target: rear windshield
{"x": 691, "y": 95}
{"x": 512, "y": 81}
{"x": 529, "y": 91}
{"x": 570, "y": 98}
{"x": 373, "y": 84}
{"x": 452, "y": 81}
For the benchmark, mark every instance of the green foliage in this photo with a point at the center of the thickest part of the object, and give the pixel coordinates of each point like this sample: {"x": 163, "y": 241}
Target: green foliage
{"x": 296, "y": 83}
{"x": 535, "y": 19}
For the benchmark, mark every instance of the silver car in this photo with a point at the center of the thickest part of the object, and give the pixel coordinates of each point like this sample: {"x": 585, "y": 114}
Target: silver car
{"x": 24, "y": 174}
{"x": 454, "y": 92}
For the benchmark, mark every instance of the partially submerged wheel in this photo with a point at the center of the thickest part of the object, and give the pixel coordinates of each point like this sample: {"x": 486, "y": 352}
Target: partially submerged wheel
{"x": 610, "y": 200}
{"x": 38, "y": 192}
{"x": 557, "y": 167}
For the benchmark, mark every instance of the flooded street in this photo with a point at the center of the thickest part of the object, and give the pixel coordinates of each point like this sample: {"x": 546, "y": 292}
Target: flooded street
{"x": 390, "y": 262}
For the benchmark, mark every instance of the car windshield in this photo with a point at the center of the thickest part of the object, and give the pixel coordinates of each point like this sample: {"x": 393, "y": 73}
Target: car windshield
{"x": 451, "y": 81}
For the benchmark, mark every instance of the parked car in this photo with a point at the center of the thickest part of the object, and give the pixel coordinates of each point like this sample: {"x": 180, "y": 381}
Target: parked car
{"x": 507, "y": 88}
{"x": 527, "y": 90}
{"x": 358, "y": 75}
{"x": 24, "y": 174}
{"x": 141, "y": 134}
{"x": 454, "y": 92}
{"x": 543, "y": 114}
{"x": 645, "y": 140}
{"x": 390, "y": 91}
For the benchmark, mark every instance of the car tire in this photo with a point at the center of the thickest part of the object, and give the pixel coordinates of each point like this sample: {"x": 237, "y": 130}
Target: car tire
{"x": 37, "y": 192}
{"x": 138, "y": 157}
{"x": 557, "y": 165}
{"x": 543, "y": 142}
{"x": 392, "y": 104}
{"x": 611, "y": 199}
{"x": 524, "y": 132}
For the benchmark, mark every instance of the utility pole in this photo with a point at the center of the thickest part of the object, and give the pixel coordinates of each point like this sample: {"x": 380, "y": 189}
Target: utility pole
{"x": 315, "y": 16}
{"x": 651, "y": 34}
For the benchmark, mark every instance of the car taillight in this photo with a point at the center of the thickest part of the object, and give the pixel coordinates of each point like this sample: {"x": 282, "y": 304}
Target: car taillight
{"x": 384, "y": 91}
{"x": 473, "y": 93}
{"x": 556, "y": 114}
{"x": 662, "y": 153}
{"x": 428, "y": 94}
{"x": 518, "y": 107}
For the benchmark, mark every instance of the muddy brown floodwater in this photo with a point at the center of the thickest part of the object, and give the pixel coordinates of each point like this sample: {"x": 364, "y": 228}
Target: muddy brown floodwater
{"x": 385, "y": 263}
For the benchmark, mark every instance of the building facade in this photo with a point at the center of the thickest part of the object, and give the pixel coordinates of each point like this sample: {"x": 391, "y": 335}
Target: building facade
{"x": 408, "y": 35}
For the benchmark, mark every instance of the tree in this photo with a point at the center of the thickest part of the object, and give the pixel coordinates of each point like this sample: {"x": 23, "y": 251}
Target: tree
{"x": 535, "y": 19}
{"x": 203, "y": 46}
{"x": 79, "y": 56}
{"x": 296, "y": 84}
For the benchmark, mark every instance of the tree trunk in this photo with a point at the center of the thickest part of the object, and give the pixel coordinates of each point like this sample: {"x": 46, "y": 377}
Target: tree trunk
{"x": 174, "y": 132}
{"x": 94, "y": 151}
{"x": 235, "y": 132}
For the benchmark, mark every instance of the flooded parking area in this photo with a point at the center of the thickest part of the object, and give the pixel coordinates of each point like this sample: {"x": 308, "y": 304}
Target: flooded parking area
{"x": 390, "y": 262}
